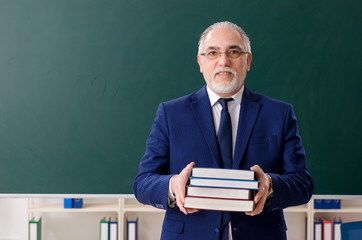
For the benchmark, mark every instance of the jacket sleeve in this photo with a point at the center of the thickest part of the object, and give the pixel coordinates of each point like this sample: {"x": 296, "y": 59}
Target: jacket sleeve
{"x": 294, "y": 186}
{"x": 152, "y": 182}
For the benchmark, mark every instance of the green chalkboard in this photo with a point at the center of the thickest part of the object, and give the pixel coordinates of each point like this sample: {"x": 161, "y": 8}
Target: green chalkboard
{"x": 80, "y": 82}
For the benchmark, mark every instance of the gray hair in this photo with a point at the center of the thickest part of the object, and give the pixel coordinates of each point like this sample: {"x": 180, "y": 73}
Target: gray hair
{"x": 228, "y": 25}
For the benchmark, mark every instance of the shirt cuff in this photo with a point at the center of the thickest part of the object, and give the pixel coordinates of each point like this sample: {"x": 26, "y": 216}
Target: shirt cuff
{"x": 270, "y": 192}
{"x": 171, "y": 200}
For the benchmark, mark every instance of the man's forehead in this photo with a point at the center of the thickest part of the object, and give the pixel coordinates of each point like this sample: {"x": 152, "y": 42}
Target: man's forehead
{"x": 223, "y": 38}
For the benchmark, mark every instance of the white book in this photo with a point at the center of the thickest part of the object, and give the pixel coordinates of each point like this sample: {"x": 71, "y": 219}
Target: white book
{"x": 113, "y": 229}
{"x": 219, "y": 204}
{"x": 132, "y": 230}
{"x": 223, "y": 173}
{"x": 327, "y": 230}
{"x": 213, "y": 192}
{"x": 337, "y": 230}
{"x": 104, "y": 229}
{"x": 35, "y": 229}
{"x": 225, "y": 183}
{"x": 317, "y": 230}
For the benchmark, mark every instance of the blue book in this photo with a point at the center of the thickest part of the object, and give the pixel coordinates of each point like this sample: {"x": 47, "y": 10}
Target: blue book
{"x": 224, "y": 183}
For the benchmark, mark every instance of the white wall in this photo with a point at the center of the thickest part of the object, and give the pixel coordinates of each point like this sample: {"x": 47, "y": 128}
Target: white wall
{"x": 13, "y": 219}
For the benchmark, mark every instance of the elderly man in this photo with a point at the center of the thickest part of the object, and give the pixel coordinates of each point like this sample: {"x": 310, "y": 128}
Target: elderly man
{"x": 224, "y": 125}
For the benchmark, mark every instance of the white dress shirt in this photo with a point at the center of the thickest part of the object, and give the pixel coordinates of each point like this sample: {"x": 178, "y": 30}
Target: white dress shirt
{"x": 234, "y": 111}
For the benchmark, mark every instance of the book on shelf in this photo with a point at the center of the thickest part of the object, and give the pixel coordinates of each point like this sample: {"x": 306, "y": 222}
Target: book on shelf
{"x": 104, "y": 228}
{"x": 35, "y": 229}
{"x": 113, "y": 228}
{"x": 224, "y": 183}
{"x": 327, "y": 230}
{"x": 317, "y": 230}
{"x": 233, "y": 205}
{"x": 131, "y": 230}
{"x": 216, "y": 192}
{"x": 337, "y": 235}
{"x": 223, "y": 173}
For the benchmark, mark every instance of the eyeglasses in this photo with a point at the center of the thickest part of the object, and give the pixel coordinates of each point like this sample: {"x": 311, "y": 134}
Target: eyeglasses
{"x": 213, "y": 54}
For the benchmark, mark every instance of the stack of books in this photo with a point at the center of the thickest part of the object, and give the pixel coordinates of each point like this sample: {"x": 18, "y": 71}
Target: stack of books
{"x": 221, "y": 189}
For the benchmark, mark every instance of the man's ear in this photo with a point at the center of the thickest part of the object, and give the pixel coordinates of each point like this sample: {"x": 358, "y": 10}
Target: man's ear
{"x": 250, "y": 57}
{"x": 199, "y": 61}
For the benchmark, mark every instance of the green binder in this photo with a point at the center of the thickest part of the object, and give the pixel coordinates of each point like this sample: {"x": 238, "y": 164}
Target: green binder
{"x": 35, "y": 229}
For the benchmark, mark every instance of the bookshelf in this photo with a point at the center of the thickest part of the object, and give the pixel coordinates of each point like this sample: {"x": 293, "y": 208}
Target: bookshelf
{"x": 351, "y": 209}
{"x": 120, "y": 204}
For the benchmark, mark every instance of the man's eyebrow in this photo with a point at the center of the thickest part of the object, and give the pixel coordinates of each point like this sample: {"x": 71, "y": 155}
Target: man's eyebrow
{"x": 212, "y": 48}
{"x": 218, "y": 48}
{"x": 234, "y": 46}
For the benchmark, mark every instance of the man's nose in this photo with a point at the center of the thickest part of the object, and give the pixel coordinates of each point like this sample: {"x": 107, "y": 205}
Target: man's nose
{"x": 223, "y": 59}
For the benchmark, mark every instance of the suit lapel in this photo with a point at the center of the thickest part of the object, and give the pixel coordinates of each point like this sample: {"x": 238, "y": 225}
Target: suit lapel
{"x": 248, "y": 114}
{"x": 203, "y": 114}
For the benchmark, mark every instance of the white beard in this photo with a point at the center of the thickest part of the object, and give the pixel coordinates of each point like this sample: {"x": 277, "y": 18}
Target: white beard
{"x": 222, "y": 88}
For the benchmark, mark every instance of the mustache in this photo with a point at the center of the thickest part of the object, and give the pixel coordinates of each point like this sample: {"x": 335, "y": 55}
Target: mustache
{"x": 223, "y": 69}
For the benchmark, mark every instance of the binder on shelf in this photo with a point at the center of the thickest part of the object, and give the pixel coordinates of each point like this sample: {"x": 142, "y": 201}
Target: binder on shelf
{"x": 113, "y": 229}
{"x": 337, "y": 230}
{"x": 68, "y": 202}
{"x": 318, "y": 204}
{"x": 104, "y": 229}
{"x": 35, "y": 229}
{"x": 77, "y": 203}
{"x": 317, "y": 230}
{"x": 132, "y": 230}
{"x": 327, "y": 203}
{"x": 336, "y": 203}
{"x": 327, "y": 230}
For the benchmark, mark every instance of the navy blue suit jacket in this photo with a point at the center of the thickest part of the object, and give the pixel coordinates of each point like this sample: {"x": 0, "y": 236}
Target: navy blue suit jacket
{"x": 183, "y": 131}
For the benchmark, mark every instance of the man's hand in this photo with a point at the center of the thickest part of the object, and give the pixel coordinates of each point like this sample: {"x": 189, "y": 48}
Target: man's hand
{"x": 178, "y": 188}
{"x": 262, "y": 194}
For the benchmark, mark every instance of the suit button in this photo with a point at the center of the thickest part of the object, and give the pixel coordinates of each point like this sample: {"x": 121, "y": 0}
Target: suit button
{"x": 216, "y": 230}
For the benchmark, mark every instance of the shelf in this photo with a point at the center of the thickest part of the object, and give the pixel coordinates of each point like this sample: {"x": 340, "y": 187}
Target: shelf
{"x": 141, "y": 208}
{"x": 112, "y": 207}
{"x": 129, "y": 204}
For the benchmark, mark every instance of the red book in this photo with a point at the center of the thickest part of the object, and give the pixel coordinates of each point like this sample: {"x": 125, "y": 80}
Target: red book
{"x": 232, "y": 205}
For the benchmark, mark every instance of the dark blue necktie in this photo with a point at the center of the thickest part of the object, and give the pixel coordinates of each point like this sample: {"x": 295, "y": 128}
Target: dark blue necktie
{"x": 224, "y": 138}
{"x": 224, "y": 135}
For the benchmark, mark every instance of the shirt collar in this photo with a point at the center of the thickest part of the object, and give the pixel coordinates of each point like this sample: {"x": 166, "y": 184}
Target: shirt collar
{"x": 213, "y": 97}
